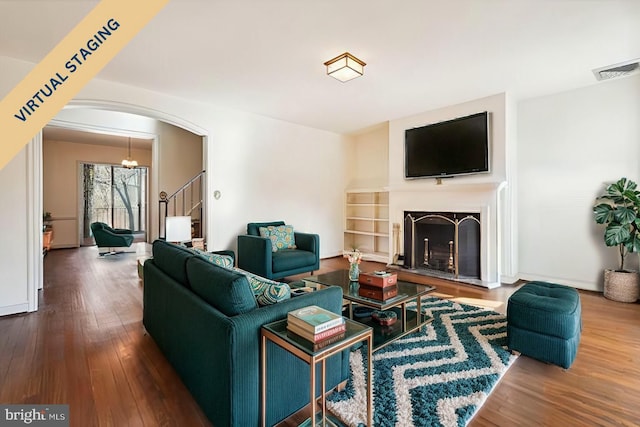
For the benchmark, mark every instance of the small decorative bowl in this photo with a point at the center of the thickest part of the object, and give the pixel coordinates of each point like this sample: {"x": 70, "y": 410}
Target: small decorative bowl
{"x": 385, "y": 317}
{"x": 362, "y": 312}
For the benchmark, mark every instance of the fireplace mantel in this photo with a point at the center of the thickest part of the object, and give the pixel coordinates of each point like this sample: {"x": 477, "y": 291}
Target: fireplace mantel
{"x": 481, "y": 197}
{"x": 450, "y": 185}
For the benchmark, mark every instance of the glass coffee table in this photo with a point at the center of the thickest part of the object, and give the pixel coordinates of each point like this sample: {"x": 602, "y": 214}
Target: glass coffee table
{"x": 409, "y": 320}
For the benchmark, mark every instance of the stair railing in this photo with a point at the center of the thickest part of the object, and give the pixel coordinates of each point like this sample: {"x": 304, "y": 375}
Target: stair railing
{"x": 188, "y": 200}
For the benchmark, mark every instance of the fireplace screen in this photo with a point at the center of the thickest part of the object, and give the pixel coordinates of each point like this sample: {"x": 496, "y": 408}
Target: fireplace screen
{"x": 448, "y": 242}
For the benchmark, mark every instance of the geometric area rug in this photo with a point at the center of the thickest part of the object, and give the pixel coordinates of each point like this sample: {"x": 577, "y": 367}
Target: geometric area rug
{"x": 439, "y": 375}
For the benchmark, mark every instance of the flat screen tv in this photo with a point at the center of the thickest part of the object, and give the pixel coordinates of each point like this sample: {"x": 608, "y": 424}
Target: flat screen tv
{"x": 454, "y": 147}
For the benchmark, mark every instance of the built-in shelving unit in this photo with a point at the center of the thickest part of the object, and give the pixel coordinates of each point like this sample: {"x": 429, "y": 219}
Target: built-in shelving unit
{"x": 367, "y": 223}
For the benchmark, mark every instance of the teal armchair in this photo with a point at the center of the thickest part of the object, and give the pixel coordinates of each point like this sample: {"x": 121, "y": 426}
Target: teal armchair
{"x": 107, "y": 237}
{"x": 255, "y": 253}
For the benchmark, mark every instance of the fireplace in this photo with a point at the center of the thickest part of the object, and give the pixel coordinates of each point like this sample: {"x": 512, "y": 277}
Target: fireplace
{"x": 444, "y": 242}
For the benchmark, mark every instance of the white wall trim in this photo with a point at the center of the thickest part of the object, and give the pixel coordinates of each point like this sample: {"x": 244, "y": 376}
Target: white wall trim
{"x": 208, "y": 178}
{"x": 34, "y": 222}
{"x": 135, "y": 109}
{"x": 509, "y": 280}
{"x": 100, "y": 129}
{"x": 574, "y": 283}
{"x": 332, "y": 254}
{"x": 14, "y": 309}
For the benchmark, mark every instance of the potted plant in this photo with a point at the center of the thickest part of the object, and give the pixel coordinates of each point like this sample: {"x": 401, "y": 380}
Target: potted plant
{"x": 46, "y": 220}
{"x": 619, "y": 210}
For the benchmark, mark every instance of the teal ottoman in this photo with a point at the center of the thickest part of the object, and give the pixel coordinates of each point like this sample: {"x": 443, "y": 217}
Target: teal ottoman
{"x": 544, "y": 322}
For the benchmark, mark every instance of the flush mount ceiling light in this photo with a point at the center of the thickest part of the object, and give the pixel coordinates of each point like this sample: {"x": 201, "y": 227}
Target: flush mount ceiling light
{"x": 129, "y": 162}
{"x": 345, "y": 67}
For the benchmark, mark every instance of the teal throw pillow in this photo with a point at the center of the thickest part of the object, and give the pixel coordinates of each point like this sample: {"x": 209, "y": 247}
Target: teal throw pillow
{"x": 266, "y": 291}
{"x": 221, "y": 260}
{"x": 282, "y": 236}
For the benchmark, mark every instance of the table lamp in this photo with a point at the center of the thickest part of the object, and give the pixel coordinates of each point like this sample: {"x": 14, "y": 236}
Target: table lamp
{"x": 178, "y": 229}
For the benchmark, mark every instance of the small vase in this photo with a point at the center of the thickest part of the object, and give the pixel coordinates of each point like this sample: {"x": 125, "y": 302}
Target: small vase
{"x": 354, "y": 272}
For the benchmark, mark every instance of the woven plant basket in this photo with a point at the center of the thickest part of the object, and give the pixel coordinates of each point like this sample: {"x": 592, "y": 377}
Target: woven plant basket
{"x": 621, "y": 286}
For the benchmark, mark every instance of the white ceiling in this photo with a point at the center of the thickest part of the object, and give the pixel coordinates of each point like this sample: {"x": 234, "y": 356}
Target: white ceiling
{"x": 266, "y": 56}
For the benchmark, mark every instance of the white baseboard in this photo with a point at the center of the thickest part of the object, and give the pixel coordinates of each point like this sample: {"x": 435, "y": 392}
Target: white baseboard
{"x": 510, "y": 280}
{"x": 331, "y": 254}
{"x": 14, "y": 309}
{"x": 578, "y": 284}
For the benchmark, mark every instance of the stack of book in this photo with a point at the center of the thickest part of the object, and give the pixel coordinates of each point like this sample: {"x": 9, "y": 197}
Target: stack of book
{"x": 315, "y": 324}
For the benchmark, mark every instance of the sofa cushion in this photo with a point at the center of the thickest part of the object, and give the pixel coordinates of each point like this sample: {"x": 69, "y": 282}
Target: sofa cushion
{"x": 289, "y": 259}
{"x": 253, "y": 228}
{"x": 224, "y": 289}
{"x": 225, "y": 261}
{"x": 265, "y": 290}
{"x": 172, "y": 260}
{"x": 282, "y": 236}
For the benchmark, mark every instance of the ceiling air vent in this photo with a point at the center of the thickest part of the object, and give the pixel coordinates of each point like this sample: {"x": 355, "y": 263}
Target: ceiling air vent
{"x": 617, "y": 70}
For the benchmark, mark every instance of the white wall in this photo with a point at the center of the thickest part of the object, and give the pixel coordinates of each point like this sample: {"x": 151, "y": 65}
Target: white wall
{"x": 370, "y": 163}
{"x": 273, "y": 170}
{"x": 263, "y": 167}
{"x": 179, "y": 157}
{"x": 570, "y": 145}
{"x": 266, "y": 169}
{"x": 13, "y": 250}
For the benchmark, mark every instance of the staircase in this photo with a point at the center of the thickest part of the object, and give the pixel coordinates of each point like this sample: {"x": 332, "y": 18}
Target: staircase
{"x": 188, "y": 200}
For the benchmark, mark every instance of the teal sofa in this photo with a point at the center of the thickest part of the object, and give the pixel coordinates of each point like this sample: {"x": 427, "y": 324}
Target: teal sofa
{"x": 255, "y": 253}
{"x": 206, "y": 322}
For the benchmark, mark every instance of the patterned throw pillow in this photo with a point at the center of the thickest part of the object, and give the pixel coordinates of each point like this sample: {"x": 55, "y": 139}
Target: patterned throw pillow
{"x": 282, "y": 236}
{"x": 266, "y": 291}
{"x": 220, "y": 260}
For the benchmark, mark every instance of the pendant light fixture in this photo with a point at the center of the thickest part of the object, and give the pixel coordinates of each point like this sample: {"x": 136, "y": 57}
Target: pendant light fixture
{"x": 129, "y": 163}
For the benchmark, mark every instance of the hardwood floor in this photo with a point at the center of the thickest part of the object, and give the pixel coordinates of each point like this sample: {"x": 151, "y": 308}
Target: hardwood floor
{"x": 86, "y": 347}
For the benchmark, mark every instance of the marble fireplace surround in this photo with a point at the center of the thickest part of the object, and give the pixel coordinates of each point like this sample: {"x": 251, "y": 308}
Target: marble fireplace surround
{"x": 484, "y": 199}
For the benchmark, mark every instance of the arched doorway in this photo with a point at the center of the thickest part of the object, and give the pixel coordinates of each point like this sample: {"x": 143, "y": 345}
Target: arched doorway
{"x": 34, "y": 168}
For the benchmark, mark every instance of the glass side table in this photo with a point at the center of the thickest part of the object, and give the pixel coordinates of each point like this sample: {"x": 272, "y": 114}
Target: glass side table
{"x": 303, "y": 349}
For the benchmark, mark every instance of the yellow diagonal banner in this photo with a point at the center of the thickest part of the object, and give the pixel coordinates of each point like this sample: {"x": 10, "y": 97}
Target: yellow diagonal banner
{"x": 68, "y": 67}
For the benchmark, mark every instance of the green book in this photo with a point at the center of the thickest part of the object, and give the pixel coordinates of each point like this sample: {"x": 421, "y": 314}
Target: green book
{"x": 314, "y": 319}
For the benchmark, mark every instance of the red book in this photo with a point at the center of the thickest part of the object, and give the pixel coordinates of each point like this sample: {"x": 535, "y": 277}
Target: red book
{"x": 320, "y": 336}
{"x": 325, "y": 342}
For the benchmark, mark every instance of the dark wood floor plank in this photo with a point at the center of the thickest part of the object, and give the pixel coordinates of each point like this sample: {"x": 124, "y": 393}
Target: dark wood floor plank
{"x": 86, "y": 347}
{"x": 10, "y": 333}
